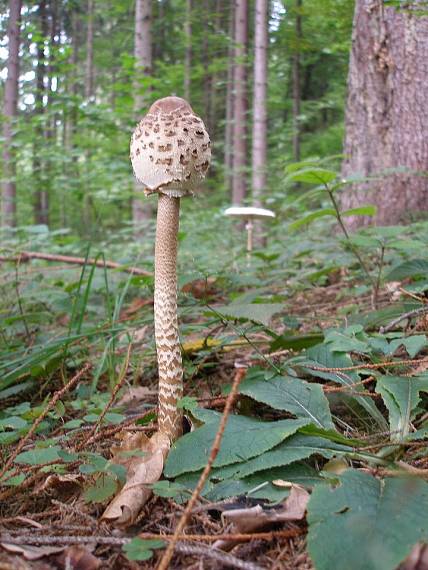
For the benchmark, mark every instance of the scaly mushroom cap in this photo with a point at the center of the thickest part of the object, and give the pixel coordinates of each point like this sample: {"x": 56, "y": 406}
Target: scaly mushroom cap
{"x": 170, "y": 148}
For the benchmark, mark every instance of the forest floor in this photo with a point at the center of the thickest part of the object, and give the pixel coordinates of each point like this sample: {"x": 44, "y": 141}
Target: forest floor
{"x": 74, "y": 383}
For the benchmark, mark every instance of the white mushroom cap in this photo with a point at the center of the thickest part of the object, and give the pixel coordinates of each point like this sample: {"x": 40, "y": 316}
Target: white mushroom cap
{"x": 249, "y": 212}
{"x": 170, "y": 148}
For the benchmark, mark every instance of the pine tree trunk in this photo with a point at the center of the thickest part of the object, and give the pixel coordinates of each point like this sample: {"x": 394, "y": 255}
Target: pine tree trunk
{"x": 188, "y": 53}
{"x": 143, "y": 60}
{"x": 239, "y": 188}
{"x": 89, "y": 74}
{"x": 296, "y": 82}
{"x": 387, "y": 112}
{"x": 10, "y": 107}
{"x": 228, "y": 134}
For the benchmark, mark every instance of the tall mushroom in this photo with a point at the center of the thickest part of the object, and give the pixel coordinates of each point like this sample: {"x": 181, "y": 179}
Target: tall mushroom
{"x": 170, "y": 154}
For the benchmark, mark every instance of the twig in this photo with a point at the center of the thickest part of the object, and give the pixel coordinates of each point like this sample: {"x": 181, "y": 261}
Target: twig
{"x": 116, "y": 389}
{"x": 42, "y": 416}
{"x": 367, "y": 366}
{"x": 403, "y": 317}
{"x": 166, "y": 558}
{"x": 221, "y": 557}
{"x": 26, "y": 255}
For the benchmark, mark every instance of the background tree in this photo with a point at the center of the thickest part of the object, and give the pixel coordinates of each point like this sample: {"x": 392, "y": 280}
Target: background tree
{"x": 387, "y": 111}
{"x": 9, "y": 113}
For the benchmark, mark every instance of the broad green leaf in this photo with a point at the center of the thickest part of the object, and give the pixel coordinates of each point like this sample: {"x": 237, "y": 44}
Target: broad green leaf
{"x": 257, "y": 312}
{"x": 39, "y": 455}
{"x": 103, "y": 488}
{"x": 368, "y": 210}
{"x": 13, "y": 422}
{"x": 414, "y": 268}
{"x": 401, "y": 395}
{"x": 296, "y": 342}
{"x": 313, "y": 175}
{"x": 412, "y": 344}
{"x": 312, "y": 217}
{"x": 303, "y": 399}
{"x": 293, "y": 449}
{"x": 366, "y": 523}
{"x": 322, "y": 356}
{"x": 141, "y": 549}
{"x": 243, "y": 439}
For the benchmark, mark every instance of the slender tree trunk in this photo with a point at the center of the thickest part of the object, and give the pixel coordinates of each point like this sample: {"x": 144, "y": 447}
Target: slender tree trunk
{"x": 40, "y": 181}
{"x": 206, "y": 14}
{"x": 228, "y": 136}
{"x": 259, "y": 102}
{"x": 188, "y": 53}
{"x": 387, "y": 112}
{"x": 296, "y": 82}
{"x": 89, "y": 75}
{"x": 10, "y": 108}
{"x": 239, "y": 188}
{"x": 143, "y": 61}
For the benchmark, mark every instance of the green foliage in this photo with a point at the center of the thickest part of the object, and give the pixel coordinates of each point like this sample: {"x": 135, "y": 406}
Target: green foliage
{"x": 359, "y": 524}
{"x": 141, "y": 549}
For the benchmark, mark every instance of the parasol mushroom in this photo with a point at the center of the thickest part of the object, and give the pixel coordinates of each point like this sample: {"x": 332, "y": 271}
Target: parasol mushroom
{"x": 170, "y": 155}
{"x": 249, "y": 214}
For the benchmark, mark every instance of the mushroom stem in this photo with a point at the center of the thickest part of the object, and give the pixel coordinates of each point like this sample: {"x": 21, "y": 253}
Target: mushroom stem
{"x": 168, "y": 349}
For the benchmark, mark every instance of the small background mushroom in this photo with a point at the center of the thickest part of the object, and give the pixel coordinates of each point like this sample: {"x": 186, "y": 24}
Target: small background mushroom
{"x": 249, "y": 214}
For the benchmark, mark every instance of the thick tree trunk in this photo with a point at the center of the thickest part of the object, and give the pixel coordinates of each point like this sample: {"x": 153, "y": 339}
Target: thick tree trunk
{"x": 259, "y": 102}
{"x": 40, "y": 181}
{"x": 9, "y": 112}
{"x": 387, "y": 112}
{"x": 239, "y": 188}
{"x": 296, "y": 82}
{"x": 89, "y": 72}
{"x": 143, "y": 61}
{"x": 228, "y": 135}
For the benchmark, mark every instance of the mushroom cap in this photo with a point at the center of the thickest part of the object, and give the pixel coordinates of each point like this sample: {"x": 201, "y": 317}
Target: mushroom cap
{"x": 170, "y": 148}
{"x": 249, "y": 212}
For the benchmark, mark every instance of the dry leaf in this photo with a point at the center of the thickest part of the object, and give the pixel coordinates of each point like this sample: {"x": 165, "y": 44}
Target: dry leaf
{"x": 64, "y": 486}
{"x": 201, "y": 288}
{"x": 141, "y": 471}
{"x": 134, "y": 307}
{"x": 135, "y": 395}
{"x": 257, "y": 518}
{"x": 32, "y": 552}
{"x": 79, "y": 558}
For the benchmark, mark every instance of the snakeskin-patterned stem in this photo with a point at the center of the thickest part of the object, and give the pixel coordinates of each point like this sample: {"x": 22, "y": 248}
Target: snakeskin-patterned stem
{"x": 168, "y": 349}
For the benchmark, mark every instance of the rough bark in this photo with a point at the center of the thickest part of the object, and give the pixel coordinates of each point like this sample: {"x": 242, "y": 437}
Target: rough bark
{"x": 387, "y": 111}
{"x": 259, "y": 102}
{"x": 239, "y": 188}
{"x": 143, "y": 61}
{"x": 228, "y": 137}
{"x": 10, "y": 107}
{"x": 296, "y": 81}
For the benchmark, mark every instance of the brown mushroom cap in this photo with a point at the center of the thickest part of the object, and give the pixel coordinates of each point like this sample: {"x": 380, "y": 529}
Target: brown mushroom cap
{"x": 170, "y": 148}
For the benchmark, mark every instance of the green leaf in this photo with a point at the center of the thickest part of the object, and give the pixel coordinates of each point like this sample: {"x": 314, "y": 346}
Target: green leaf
{"x": 243, "y": 439}
{"x": 104, "y": 487}
{"x": 170, "y": 490}
{"x": 39, "y": 455}
{"x": 359, "y": 525}
{"x": 312, "y": 217}
{"x": 313, "y": 175}
{"x": 257, "y": 312}
{"x": 296, "y": 342}
{"x": 401, "y": 395}
{"x": 14, "y": 422}
{"x": 414, "y": 268}
{"x": 290, "y": 394}
{"x": 368, "y": 210}
{"x": 141, "y": 549}
{"x": 412, "y": 344}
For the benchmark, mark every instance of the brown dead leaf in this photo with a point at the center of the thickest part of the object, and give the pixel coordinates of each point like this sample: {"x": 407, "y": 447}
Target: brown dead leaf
{"x": 134, "y": 307}
{"x": 256, "y": 518}
{"x": 201, "y": 288}
{"x": 135, "y": 395}
{"x": 141, "y": 471}
{"x": 63, "y": 486}
{"x": 32, "y": 552}
{"x": 79, "y": 558}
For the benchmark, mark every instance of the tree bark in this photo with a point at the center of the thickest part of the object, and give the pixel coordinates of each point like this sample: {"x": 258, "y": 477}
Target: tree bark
{"x": 143, "y": 61}
{"x": 228, "y": 135}
{"x": 296, "y": 82}
{"x": 89, "y": 75}
{"x": 188, "y": 53}
{"x": 387, "y": 112}
{"x": 239, "y": 188}
{"x": 10, "y": 108}
{"x": 259, "y": 150}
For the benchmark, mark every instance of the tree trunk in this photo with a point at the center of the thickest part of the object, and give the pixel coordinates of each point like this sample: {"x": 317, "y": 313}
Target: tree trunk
{"x": 259, "y": 102}
{"x": 239, "y": 188}
{"x": 228, "y": 135}
{"x": 89, "y": 75}
{"x": 296, "y": 82}
{"x": 387, "y": 112}
{"x": 188, "y": 53}
{"x": 9, "y": 113}
{"x": 143, "y": 61}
